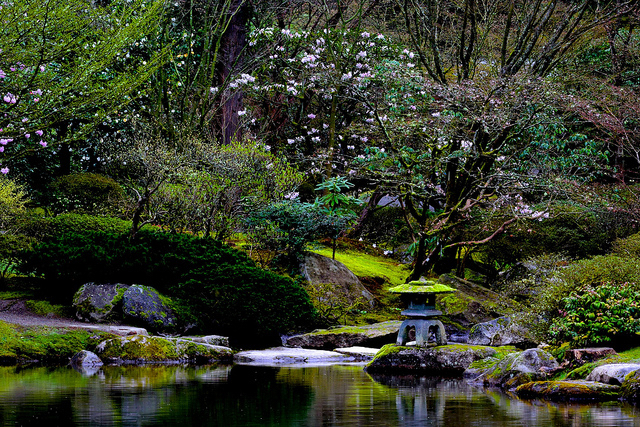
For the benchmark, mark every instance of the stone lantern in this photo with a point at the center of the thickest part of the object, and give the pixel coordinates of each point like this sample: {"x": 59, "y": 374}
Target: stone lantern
{"x": 421, "y": 311}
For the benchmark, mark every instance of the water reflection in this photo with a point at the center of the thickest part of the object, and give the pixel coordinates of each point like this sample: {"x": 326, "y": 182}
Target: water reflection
{"x": 265, "y": 396}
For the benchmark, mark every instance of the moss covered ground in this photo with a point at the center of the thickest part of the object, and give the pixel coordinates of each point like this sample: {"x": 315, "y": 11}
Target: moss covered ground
{"x": 44, "y": 344}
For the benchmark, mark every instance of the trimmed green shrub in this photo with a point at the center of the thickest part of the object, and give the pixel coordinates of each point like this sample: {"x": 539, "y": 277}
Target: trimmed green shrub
{"x": 44, "y": 227}
{"x": 217, "y": 287}
{"x": 12, "y": 202}
{"x": 629, "y": 247}
{"x": 85, "y": 192}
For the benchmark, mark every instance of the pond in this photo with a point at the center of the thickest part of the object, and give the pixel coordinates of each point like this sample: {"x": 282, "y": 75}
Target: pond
{"x": 243, "y": 395}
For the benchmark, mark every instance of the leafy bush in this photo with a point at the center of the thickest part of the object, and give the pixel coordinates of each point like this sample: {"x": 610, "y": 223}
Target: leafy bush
{"x": 219, "y": 288}
{"x": 629, "y": 247}
{"x": 85, "y": 192}
{"x": 597, "y": 314}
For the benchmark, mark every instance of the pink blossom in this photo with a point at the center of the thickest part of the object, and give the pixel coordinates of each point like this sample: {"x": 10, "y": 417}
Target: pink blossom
{"x": 2, "y": 74}
{"x": 10, "y": 98}
{"x": 4, "y": 170}
{"x": 43, "y": 143}
{"x": 39, "y": 132}
{"x": 311, "y": 116}
{"x": 27, "y": 135}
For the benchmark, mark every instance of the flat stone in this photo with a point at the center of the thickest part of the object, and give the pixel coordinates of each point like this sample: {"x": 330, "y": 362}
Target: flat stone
{"x": 613, "y": 373}
{"x": 499, "y": 332}
{"x": 375, "y": 335}
{"x": 289, "y": 356}
{"x": 442, "y": 360}
{"x": 360, "y": 353}
{"x": 569, "y": 391}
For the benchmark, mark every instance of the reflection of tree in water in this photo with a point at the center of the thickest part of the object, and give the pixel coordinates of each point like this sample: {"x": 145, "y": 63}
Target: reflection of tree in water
{"x": 433, "y": 401}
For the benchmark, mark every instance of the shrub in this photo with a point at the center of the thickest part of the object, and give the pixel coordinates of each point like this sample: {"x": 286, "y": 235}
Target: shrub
{"x": 597, "y": 314}
{"x": 218, "y": 287}
{"x": 42, "y": 228}
{"x": 85, "y": 192}
{"x": 12, "y": 202}
{"x": 629, "y": 247}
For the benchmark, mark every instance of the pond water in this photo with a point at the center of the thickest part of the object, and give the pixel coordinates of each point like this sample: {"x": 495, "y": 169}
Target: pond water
{"x": 242, "y": 395}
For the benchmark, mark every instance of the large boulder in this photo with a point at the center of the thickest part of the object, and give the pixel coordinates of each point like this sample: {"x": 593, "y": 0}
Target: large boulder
{"x": 144, "y": 306}
{"x": 516, "y": 369}
{"x": 613, "y": 373}
{"x": 499, "y": 332}
{"x": 472, "y": 303}
{"x": 375, "y": 335}
{"x": 146, "y": 349}
{"x": 319, "y": 270}
{"x": 569, "y": 391}
{"x": 86, "y": 362}
{"x": 441, "y": 360}
{"x": 99, "y": 302}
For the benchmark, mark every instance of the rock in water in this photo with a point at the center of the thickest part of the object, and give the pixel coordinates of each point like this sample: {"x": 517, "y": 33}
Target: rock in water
{"x": 517, "y": 368}
{"x": 320, "y": 270}
{"x": 441, "y": 360}
{"x": 95, "y": 302}
{"x": 144, "y": 306}
{"x": 85, "y": 358}
{"x": 569, "y": 391}
{"x": 613, "y": 373}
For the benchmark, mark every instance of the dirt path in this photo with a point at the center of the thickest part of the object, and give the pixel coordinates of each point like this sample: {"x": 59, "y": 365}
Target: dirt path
{"x": 15, "y": 311}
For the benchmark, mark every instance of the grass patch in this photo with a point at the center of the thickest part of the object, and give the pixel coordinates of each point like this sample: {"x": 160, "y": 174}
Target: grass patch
{"x": 366, "y": 265}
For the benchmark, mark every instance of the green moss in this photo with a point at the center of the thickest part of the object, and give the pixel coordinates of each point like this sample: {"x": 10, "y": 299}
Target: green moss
{"x": 454, "y": 303}
{"x": 45, "y": 308}
{"x": 152, "y": 349}
{"x": 387, "y": 350}
{"x": 43, "y": 343}
{"x": 418, "y": 287}
{"x": 366, "y": 265}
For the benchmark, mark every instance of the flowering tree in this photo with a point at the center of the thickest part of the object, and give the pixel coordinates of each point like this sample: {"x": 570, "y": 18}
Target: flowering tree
{"x": 65, "y": 67}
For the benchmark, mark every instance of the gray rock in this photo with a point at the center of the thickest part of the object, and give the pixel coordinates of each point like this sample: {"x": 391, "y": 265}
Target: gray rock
{"x": 500, "y": 331}
{"x": 613, "y": 373}
{"x": 85, "y": 358}
{"x": 98, "y": 302}
{"x": 319, "y": 270}
{"x": 144, "y": 306}
{"x": 86, "y": 362}
{"x": 288, "y": 356}
{"x": 375, "y": 335}
{"x": 517, "y": 368}
{"x": 442, "y": 360}
{"x": 154, "y": 349}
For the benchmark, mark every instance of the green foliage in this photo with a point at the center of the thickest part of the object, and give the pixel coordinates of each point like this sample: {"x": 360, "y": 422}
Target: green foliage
{"x": 333, "y": 307}
{"x": 629, "y": 247}
{"x": 602, "y": 268}
{"x": 43, "y": 228}
{"x": 597, "y": 314}
{"x": 287, "y": 228}
{"x": 86, "y": 192}
{"x": 13, "y": 199}
{"x": 217, "y": 287}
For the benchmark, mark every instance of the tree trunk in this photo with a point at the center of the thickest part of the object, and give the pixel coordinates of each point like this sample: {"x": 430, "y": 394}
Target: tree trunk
{"x": 232, "y": 45}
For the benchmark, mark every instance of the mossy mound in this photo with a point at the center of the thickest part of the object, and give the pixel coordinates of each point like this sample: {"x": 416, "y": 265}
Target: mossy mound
{"x": 449, "y": 360}
{"x": 569, "y": 391}
{"x": 144, "y": 349}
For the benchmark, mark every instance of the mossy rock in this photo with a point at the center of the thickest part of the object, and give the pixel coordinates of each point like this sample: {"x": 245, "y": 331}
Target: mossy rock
{"x": 145, "y": 306}
{"x": 631, "y": 387}
{"x": 569, "y": 391}
{"x": 144, "y": 349}
{"x": 450, "y": 360}
{"x": 375, "y": 335}
{"x": 518, "y": 368}
{"x": 99, "y": 302}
